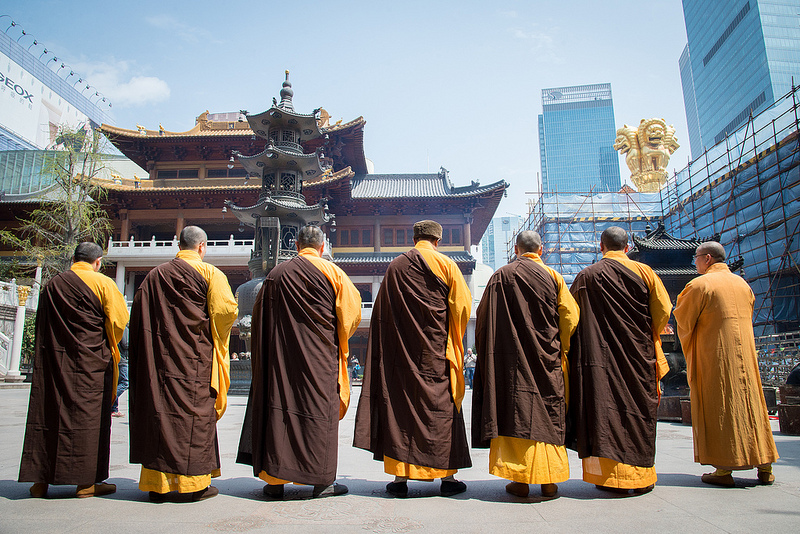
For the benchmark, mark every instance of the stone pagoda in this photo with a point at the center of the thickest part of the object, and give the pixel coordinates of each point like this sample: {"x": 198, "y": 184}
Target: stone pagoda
{"x": 281, "y": 209}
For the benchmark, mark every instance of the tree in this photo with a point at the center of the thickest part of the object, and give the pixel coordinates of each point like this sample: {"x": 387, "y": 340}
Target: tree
{"x": 70, "y": 211}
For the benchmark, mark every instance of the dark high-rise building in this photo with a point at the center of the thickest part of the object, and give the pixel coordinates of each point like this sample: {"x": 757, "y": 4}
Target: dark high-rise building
{"x": 576, "y": 137}
{"x": 741, "y": 57}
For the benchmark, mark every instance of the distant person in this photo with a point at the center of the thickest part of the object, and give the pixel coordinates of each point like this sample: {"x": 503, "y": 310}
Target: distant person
{"x": 180, "y": 371}
{"x": 79, "y": 323}
{"x": 519, "y": 399}
{"x": 409, "y": 413}
{"x": 730, "y": 423}
{"x": 616, "y": 363}
{"x": 469, "y": 367}
{"x": 303, "y": 317}
{"x": 122, "y": 384}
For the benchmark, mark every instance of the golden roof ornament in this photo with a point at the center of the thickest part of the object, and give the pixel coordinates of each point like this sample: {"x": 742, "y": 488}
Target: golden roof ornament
{"x": 647, "y": 150}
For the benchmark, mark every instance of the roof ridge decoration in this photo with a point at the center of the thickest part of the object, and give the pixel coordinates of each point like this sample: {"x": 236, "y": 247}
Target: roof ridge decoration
{"x": 286, "y": 95}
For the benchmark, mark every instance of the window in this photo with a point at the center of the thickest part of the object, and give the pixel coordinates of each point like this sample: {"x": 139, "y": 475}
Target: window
{"x": 182, "y": 173}
{"x": 226, "y": 173}
{"x": 397, "y": 236}
{"x": 353, "y": 237}
{"x": 451, "y": 235}
{"x": 287, "y": 135}
{"x": 287, "y": 181}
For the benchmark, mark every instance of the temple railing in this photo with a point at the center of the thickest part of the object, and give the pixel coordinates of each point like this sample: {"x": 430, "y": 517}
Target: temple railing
{"x": 228, "y": 251}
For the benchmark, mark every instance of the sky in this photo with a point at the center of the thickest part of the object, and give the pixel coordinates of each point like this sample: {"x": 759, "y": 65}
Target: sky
{"x": 453, "y": 84}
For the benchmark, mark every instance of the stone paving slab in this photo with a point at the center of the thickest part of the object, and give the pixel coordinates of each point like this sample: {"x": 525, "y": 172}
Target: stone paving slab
{"x": 680, "y": 502}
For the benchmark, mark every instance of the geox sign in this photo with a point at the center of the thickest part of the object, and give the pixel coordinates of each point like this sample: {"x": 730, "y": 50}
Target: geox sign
{"x": 17, "y": 88}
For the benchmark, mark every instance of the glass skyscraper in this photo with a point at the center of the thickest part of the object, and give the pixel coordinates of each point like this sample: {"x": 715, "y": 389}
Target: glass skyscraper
{"x": 576, "y": 138}
{"x": 741, "y": 56}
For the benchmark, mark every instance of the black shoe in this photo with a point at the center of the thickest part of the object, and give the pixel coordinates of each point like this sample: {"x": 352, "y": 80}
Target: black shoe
{"x": 204, "y": 494}
{"x": 157, "y": 497}
{"x": 398, "y": 489}
{"x": 273, "y": 491}
{"x": 333, "y": 490}
{"x": 452, "y": 487}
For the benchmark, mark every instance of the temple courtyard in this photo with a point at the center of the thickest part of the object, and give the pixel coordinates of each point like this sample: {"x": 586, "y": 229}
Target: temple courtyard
{"x": 679, "y": 502}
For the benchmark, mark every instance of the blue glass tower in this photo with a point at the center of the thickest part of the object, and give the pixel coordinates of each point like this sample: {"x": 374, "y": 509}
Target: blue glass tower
{"x": 742, "y": 55}
{"x": 576, "y": 134}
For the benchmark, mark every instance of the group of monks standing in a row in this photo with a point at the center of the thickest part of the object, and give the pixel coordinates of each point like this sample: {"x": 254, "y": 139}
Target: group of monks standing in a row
{"x": 556, "y": 367}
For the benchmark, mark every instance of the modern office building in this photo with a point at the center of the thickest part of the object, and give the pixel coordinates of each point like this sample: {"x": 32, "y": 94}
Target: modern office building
{"x": 495, "y": 242}
{"x": 38, "y": 95}
{"x": 741, "y": 57}
{"x": 576, "y": 137}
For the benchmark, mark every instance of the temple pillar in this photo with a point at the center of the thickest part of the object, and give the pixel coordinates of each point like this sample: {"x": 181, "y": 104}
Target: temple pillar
{"x": 126, "y": 225}
{"x": 377, "y": 233}
{"x": 13, "y": 374}
{"x": 121, "y": 277}
{"x": 468, "y": 234}
{"x": 180, "y": 222}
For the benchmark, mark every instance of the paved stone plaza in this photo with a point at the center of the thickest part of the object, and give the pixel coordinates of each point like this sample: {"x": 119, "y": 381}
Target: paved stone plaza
{"x": 679, "y": 503}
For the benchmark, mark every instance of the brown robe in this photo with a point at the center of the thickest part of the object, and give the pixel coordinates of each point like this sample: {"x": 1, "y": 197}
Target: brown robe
{"x": 613, "y": 384}
{"x": 291, "y": 428}
{"x": 68, "y": 431}
{"x": 518, "y": 388}
{"x": 406, "y": 410}
{"x": 173, "y": 421}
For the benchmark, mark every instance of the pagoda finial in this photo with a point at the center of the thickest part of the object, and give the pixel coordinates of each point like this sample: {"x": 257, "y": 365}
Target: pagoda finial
{"x": 286, "y": 95}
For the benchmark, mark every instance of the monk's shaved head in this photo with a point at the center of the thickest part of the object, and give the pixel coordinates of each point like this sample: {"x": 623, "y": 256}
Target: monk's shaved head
{"x": 87, "y": 252}
{"x": 528, "y": 241}
{"x": 614, "y": 238}
{"x": 716, "y": 250}
{"x": 191, "y": 237}
{"x": 310, "y": 236}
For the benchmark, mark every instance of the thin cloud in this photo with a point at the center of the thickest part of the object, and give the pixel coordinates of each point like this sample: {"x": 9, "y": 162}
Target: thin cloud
{"x": 115, "y": 81}
{"x": 185, "y": 32}
{"x": 542, "y": 44}
{"x": 509, "y": 14}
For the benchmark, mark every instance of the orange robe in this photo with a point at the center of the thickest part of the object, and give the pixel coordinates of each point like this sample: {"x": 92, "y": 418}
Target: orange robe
{"x": 605, "y": 471}
{"x": 729, "y": 415}
{"x": 222, "y": 312}
{"x": 459, "y": 303}
{"x": 529, "y": 461}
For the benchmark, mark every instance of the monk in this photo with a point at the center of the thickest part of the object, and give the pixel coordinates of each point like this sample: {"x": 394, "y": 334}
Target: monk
{"x": 730, "y": 424}
{"x": 80, "y": 320}
{"x": 519, "y": 400}
{"x": 180, "y": 371}
{"x": 616, "y": 363}
{"x": 303, "y": 317}
{"x": 409, "y": 413}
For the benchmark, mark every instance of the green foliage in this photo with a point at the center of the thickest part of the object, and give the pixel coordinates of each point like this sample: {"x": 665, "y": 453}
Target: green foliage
{"x": 28, "y": 341}
{"x": 72, "y": 212}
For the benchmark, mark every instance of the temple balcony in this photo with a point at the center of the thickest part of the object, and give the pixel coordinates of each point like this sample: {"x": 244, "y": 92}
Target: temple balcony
{"x": 289, "y": 145}
{"x": 133, "y": 253}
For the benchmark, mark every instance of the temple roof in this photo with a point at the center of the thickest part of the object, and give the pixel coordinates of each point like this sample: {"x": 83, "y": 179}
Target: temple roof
{"x": 372, "y": 186}
{"x": 659, "y": 239}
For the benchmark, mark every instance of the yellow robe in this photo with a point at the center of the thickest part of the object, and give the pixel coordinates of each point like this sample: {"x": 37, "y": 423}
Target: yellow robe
{"x": 114, "y": 308}
{"x": 459, "y": 304}
{"x": 222, "y": 312}
{"x": 348, "y": 317}
{"x": 605, "y": 471}
{"x": 729, "y": 415}
{"x": 530, "y": 461}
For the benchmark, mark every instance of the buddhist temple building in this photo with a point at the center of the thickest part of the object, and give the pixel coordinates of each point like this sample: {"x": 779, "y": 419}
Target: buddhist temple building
{"x": 216, "y": 176}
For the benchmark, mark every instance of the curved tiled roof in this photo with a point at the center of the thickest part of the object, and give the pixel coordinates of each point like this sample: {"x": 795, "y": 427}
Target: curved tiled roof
{"x": 372, "y": 186}
{"x": 199, "y": 131}
{"x": 659, "y": 239}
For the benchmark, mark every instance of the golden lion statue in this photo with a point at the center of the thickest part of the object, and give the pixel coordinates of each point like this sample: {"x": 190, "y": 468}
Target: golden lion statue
{"x": 647, "y": 150}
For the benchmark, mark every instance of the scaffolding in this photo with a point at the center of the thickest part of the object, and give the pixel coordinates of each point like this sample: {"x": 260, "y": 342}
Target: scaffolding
{"x": 571, "y": 224}
{"x": 746, "y": 190}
